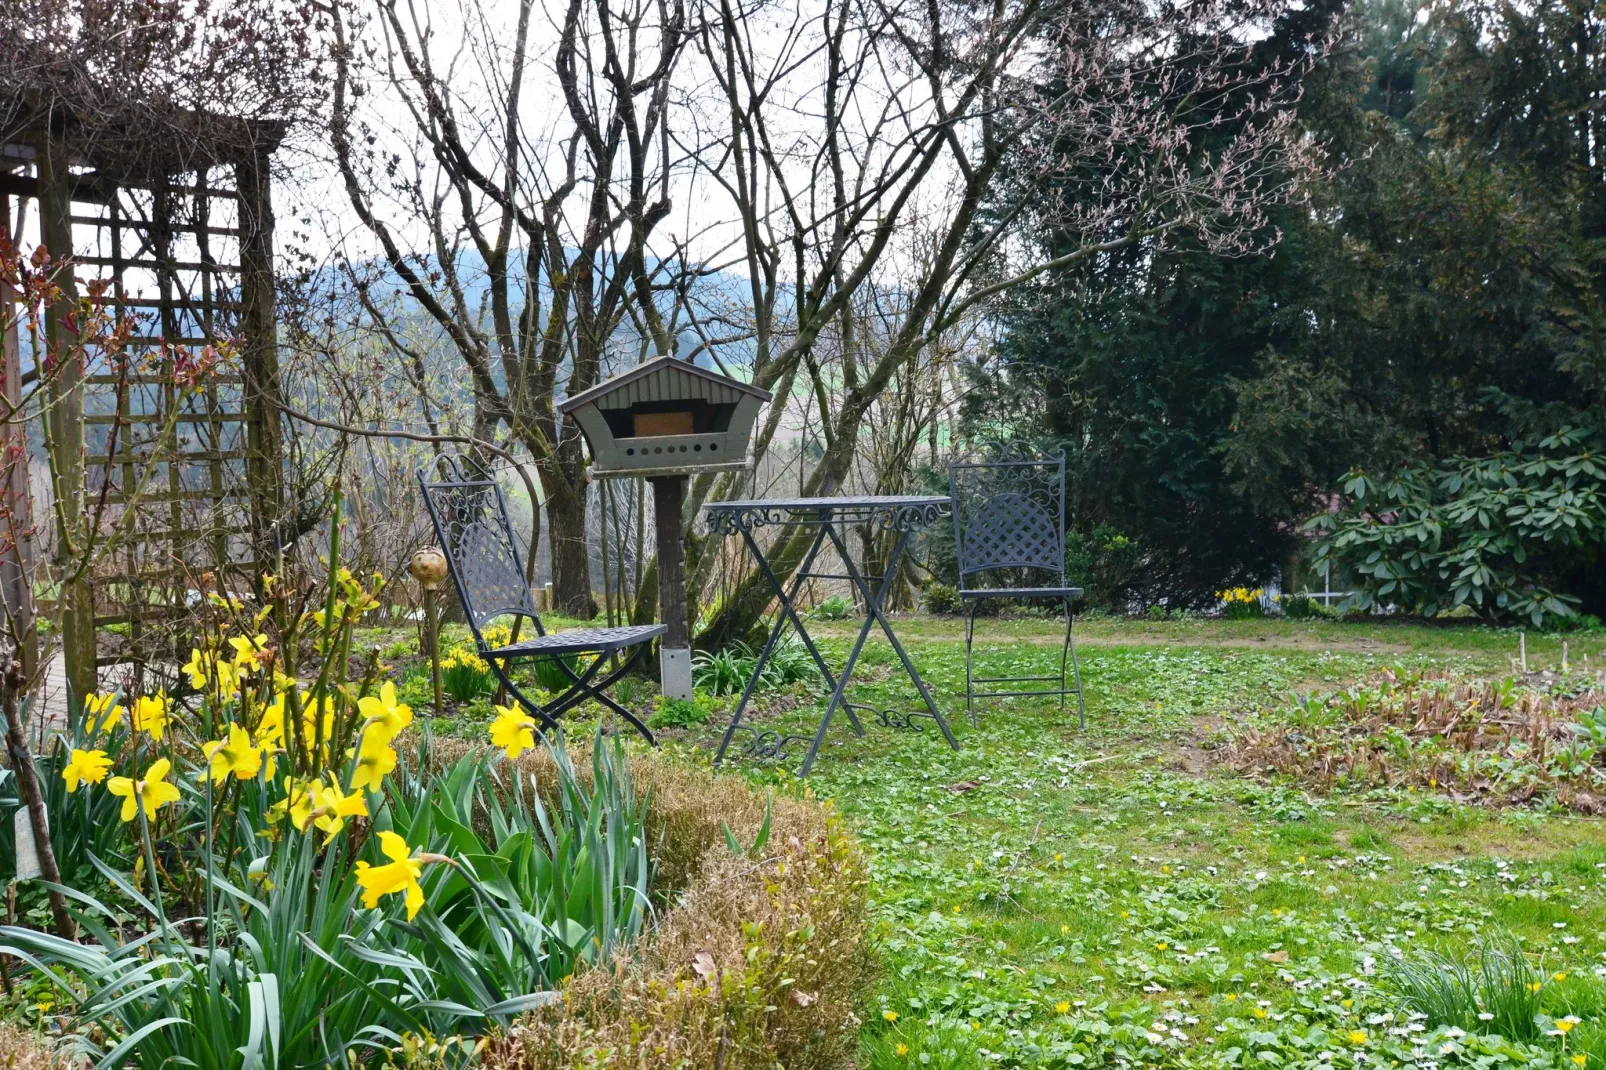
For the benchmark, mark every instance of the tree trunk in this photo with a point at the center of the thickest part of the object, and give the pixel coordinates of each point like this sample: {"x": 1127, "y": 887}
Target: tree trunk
{"x": 66, "y": 417}
{"x": 12, "y": 682}
{"x": 739, "y": 617}
{"x": 571, "y": 558}
{"x": 16, "y": 502}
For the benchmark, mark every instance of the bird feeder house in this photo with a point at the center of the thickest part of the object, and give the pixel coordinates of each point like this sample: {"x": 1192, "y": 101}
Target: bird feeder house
{"x": 667, "y": 417}
{"x": 663, "y": 421}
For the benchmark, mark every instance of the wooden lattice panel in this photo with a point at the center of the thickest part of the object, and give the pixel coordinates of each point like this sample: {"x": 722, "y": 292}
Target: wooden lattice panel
{"x": 171, "y": 253}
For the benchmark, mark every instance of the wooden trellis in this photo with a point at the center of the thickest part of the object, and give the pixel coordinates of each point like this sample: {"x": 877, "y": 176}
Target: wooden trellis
{"x": 189, "y": 477}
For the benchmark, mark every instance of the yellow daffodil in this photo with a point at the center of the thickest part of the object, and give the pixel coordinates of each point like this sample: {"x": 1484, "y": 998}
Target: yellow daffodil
{"x": 153, "y": 792}
{"x": 513, "y": 731}
{"x": 400, "y": 874}
{"x": 270, "y": 729}
{"x": 102, "y": 713}
{"x": 248, "y": 651}
{"x": 334, "y": 807}
{"x": 383, "y": 713}
{"x": 300, "y": 800}
{"x": 85, "y": 766}
{"x": 376, "y": 759}
{"x": 150, "y": 714}
{"x": 199, "y": 668}
{"x": 310, "y": 720}
{"x": 234, "y": 755}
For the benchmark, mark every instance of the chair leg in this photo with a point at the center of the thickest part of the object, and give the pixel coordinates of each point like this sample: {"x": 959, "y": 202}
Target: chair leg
{"x": 1064, "y": 649}
{"x": 968, "y": 608}
{"x": 599, "y": 692}
{"x": 1076, "y": 668}
{"x": 551, "y": 723}
{"x": 581, "y": 689}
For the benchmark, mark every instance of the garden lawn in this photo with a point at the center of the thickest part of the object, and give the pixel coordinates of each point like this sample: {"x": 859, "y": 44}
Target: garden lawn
{"x": 1054, "y": 897}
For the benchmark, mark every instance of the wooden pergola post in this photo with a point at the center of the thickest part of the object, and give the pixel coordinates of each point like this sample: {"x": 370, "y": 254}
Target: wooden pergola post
{"x": 260, "y": 354}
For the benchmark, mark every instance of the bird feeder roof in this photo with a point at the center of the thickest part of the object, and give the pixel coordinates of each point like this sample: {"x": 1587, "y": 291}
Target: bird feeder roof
{"x": 652, "y": 367}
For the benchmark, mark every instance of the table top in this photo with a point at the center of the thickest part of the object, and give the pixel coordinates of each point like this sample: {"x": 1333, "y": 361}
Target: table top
{"x": 898, "y": 511}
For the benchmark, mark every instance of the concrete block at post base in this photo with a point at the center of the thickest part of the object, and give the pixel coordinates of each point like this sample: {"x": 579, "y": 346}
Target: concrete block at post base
{"x": 674, "y": 673}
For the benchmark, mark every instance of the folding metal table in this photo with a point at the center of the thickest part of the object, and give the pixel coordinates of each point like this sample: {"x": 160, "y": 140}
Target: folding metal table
{"x": 829, "y": 516}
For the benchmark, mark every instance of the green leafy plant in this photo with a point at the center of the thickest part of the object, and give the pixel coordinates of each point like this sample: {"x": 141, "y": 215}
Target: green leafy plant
{"x": 940, "y": 599}
{"x": 790, "y": 663}
{"x": 1494, "y": 533}
{"x": 723, "y": 672}
{"x": 540, "y": 881}
{"x": 1490, "y": 989}
{"x": 292, "y": 984}
{"x": 834, "y": 608}
{"x": 1300, "y": 607}
{"x": 759, "y": 840}
{"x": 556, "y": 674}
{"x": 727, "y": 671}
{"x": 679, "y": 713}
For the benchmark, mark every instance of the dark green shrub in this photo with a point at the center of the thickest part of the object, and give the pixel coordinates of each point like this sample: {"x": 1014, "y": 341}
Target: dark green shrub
{"x": 940, "y": 598}
{"x": 1499, "y": 534}
{"x": 715, "y": 981}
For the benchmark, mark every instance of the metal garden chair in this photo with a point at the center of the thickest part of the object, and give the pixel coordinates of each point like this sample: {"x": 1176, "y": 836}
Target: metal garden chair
{"x": 1009, "y": 535}
{"x": 470, "y": 516}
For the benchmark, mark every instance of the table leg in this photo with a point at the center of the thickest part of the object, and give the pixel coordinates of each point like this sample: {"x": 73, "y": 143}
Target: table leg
{"x": 787, "y": 613}
{"x": 873, "y": 603}
{"x": 837, "y": 693}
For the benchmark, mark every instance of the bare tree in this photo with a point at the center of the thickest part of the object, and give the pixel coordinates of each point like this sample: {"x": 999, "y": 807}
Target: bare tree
{"x": 841, "y": 124}
{"x": 536, "y": 232}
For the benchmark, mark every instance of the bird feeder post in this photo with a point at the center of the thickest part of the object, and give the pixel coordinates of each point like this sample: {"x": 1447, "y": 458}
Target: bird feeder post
{"x": 428, "y": 567}
{"x": 663, "y": 421}
{"x": 674, "y": 659}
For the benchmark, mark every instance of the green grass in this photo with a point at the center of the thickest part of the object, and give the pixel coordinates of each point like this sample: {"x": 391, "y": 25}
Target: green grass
{"x": 1097, "y": 883}
{"x": 1097, "y": 889}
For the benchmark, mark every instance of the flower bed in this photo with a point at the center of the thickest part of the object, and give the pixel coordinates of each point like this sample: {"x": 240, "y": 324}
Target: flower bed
{"x": 1498, "y": 742}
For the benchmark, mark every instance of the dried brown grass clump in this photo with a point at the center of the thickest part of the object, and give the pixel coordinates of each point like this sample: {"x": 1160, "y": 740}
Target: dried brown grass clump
{"x": 24, "y": 1049}
{"x": 754, "y": 961}
{"x": 1486, "y": 741}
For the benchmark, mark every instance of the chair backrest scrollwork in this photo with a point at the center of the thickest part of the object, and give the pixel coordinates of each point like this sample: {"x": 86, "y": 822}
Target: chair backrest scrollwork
{"x": 1009, "y": 514}
{"x": 471, "y": 521}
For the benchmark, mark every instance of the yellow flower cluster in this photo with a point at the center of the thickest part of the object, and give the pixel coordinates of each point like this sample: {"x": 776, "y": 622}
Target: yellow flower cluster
{"x": 244, "y": 753}
{"x": 1242, "y": 595}
{"x": 463, "y": 656}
